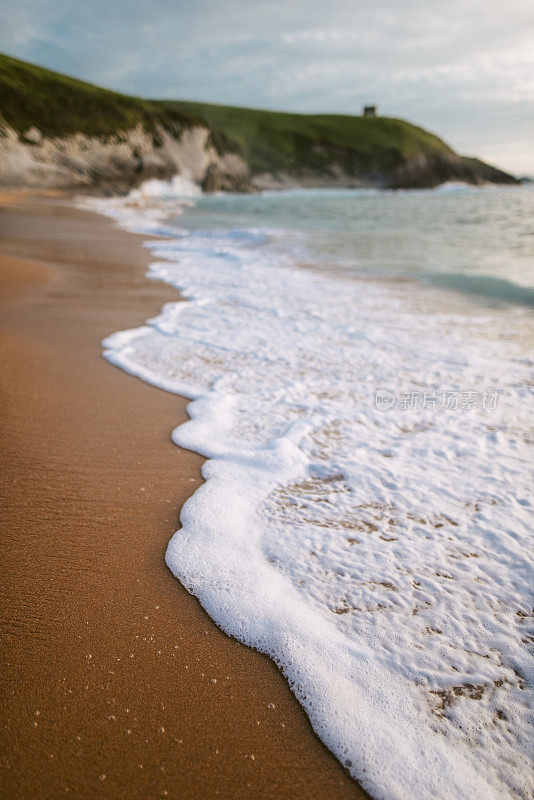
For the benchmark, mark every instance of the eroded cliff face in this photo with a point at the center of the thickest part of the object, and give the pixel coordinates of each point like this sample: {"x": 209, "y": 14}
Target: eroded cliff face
{"x": 117, "y": 163}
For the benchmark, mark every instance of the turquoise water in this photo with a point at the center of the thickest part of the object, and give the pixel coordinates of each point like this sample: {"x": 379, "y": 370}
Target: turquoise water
{"x": 477, "y": 241}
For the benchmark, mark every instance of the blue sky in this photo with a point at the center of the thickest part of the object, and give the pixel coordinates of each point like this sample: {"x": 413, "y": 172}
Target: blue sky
{"x": 462, "y": 68}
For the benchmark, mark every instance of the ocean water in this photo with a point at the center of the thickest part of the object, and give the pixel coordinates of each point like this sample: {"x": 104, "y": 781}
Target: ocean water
{"x": 360, "y": 369}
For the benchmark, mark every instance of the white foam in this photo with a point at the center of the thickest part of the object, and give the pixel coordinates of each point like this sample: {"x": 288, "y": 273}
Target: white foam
{"x": 380, "y": 558}
{"x": 459, "y": 186}
{"x": 145, "y": 209}
{"x": 178, "y": 187}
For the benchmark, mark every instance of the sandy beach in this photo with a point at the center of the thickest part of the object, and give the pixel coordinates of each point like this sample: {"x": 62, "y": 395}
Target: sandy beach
{"x": 115, "y": 683}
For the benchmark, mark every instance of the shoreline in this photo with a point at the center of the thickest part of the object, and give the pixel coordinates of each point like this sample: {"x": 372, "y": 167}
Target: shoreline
{"x": 115, "y": 683}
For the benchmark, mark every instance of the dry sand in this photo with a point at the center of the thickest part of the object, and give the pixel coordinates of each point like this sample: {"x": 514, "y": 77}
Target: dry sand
{"x": 114, "y": 682}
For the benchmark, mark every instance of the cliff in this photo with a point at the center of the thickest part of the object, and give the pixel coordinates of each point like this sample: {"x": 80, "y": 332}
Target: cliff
{"x": 338, "y": 150}
{"x": 58, "y": 131}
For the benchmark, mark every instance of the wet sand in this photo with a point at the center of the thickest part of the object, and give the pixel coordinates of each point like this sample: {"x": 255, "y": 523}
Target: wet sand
{"x": 114, "y": 682}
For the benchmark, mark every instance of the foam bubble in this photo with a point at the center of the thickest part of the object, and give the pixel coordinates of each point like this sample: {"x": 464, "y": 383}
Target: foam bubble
{"x": 178, "y": 187}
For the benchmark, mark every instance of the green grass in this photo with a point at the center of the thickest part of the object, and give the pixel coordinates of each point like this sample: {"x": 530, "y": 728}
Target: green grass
{"x": 59, "y": 105}
{"x": 273, "y": 141}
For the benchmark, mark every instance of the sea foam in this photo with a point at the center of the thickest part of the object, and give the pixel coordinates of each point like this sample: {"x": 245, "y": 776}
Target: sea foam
{"x": 380, "y": 555}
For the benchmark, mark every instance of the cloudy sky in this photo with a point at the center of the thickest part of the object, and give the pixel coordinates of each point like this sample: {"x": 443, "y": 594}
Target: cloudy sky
{"x": 462, "y": 68}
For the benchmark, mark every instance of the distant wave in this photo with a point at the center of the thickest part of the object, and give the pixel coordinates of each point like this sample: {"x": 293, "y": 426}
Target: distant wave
{"x": 486, "y": 286}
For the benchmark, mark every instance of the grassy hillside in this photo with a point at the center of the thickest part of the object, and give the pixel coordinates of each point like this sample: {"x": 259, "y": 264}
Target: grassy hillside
{"x": 59, "y": 105}
{"x": 330, "y": 149}
{"x": 273, "y": 141}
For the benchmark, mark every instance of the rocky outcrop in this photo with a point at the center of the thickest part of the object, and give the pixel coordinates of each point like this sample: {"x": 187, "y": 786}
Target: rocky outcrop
{"x": 423, "y": 171}
{"x": 427, "y": 171}
{"x": 117, "y": 163}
